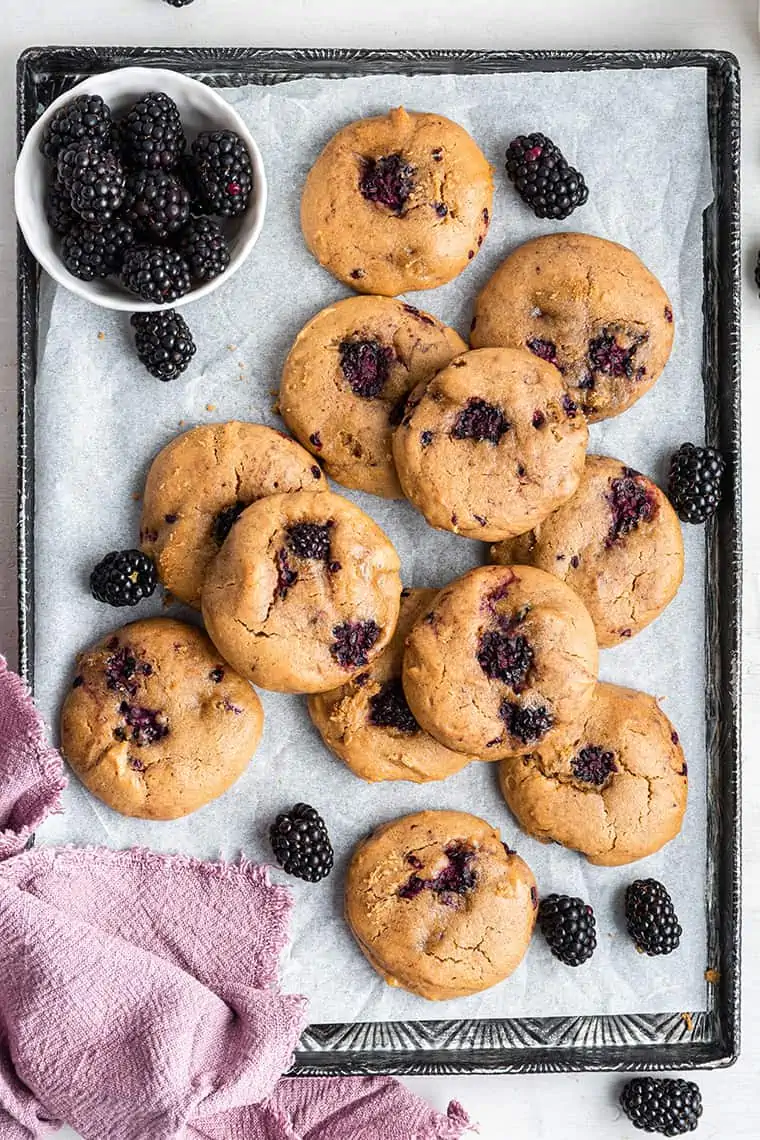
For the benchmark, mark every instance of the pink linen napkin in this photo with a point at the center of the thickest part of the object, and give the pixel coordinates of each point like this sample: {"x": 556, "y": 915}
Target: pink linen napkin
{"x": 138, "y": 992}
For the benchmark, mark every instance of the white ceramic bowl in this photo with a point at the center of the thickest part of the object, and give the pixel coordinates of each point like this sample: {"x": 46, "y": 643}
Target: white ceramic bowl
{"x": 201, "y": 110}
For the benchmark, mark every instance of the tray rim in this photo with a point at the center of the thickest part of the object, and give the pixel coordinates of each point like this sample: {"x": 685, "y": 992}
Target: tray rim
{"x": 656, "y": 1041}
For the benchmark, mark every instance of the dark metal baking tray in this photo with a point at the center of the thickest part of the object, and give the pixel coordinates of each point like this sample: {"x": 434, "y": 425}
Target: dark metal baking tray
{"x": 694, "y": 1039}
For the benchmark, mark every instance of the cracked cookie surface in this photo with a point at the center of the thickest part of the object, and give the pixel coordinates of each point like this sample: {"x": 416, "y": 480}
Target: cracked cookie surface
{"x": 368, "y": 724}
{"x": 397, "y": 202}
{"x": 614, "y": 789}
{"x": 304, "y": 592}
{"x": 200, "y": 483}
{"x": 617, "y": 543}
{"x": 491, "y": 445}
{"x": 439, "y": 905}
{"x": 346, "y": 380}
{"x": 156, "y": 724}
{"x": 586, "y": 305}
{"x": 503, "y": 658}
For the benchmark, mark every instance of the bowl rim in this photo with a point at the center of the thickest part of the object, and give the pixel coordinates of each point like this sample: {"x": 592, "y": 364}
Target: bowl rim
{"x": 27, "y": 216}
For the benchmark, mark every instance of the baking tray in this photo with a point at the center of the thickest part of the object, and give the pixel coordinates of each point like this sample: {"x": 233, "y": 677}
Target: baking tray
{"x": 693, "y": 1039}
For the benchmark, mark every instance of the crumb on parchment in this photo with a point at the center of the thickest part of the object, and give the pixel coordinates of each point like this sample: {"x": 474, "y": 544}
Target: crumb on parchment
{"x": 101, "y": 336}
{"x": 210, "y": 407}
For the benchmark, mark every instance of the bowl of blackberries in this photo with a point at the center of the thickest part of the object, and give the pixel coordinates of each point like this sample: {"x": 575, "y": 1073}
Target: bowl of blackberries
{"x": 140, "y": 188}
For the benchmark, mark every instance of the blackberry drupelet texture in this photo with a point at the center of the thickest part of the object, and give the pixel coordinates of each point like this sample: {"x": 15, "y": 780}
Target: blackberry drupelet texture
{"x": 310, "y": 540}
{"x": 366, "y": 366}
{"x": 224, "y": 172}
{"x": 593, "y": 765}
{"x": 59, "y": 211}
{"x": 543, "y": 178}
{"x": 480, "y": 421}
{"x": 123, "y": 578}
{"x": 569, "y": 927}
{"x": 388, "y": 709}
{"x": 651, "y": 918}
{"x": 527, "y": 724}
{"x": 506, "y": 656}
{"x": 353, "y": 641}
{"x": 93, "y": 178}
{"x": 301, "y": 843}
{"x": 156, "y": 274}
{"x": 86, "y": 117}
{"x": 226, "y": 519}
{"x": 151, "y": 133}
{"x": 157, "y": 204}
{"x": 458, "y": 877}
{"x": 164, "y": 342}
{"x": 387, "y": 180}
{"x": 695, "y": 482}
{"x": 90, "y": 251}
{"x": 204, "y": 247}
{"x": 661, "y": 1104}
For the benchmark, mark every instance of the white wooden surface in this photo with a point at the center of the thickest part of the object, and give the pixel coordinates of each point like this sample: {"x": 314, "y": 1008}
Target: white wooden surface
{"x": 560, "y": 1107}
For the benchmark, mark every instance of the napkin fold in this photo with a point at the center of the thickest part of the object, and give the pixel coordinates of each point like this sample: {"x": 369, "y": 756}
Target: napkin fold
{"x": 138, "y": 991}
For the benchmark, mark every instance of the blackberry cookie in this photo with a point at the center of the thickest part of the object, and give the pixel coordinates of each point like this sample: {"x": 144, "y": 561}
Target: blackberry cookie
{"x": 397, "y": 202}
{"x": 439, "y": 905}
{"x": 586, "y": 305}
{"x": 614, "y": 788}
{"x": 346, "y": 380}
{"x": 304, "y": 592}
{"x": 617, "y": 542}
{"x": 156, "y": 724}
{"x": 503, "y": 659}
{"x": 369, "y": 725}
{"x": 491, "y": 445}
{"x": 199, "y": 484}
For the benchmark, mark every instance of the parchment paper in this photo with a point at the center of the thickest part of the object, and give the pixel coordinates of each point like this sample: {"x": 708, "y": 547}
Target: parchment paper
{"x": 641, "y": 139}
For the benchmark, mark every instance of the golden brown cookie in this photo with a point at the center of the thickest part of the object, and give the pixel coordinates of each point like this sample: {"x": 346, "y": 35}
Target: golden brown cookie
{"x": 397, "y": 202}
{"x": 156, "y": 724}
{"x": 617, "y": 542}
{"x": 614, "y": 789}
{"x": 439, "y": 905}
{"x": 347, "y": 377}
{"x": 588, "y": 306}
{"x": 369, "y": 725}
{"x": 491, "y": 445}
{"x": 200, "y": 482}
{"x": 304, "y": 592}
{"x": 504, "y": 658}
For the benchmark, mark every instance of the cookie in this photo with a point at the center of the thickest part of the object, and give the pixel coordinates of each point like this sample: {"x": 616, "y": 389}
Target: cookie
{"x": 588, "y": 306}
{"x": 503, "y": 658}
{"x": 614, "y": 789}
{"x": 439, "y": 905}
{"x": 617, "y": 542}
{"x": 200, "y": 482}
{"x": 491, "y": 445}
{"x": 156, "y": 724}
{"x": 397, "y": 202}
{"x": 346, "y": 380}
{"x": 304, "y": 592}
{"x": 369, "y": 725}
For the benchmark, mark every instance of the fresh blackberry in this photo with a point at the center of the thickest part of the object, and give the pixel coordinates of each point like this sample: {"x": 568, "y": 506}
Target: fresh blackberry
{"x": 90, "y": 251}
{"x": 94, "y": 179}
{"x": 301, "y": 844}
{"x": 156, "y": 274}
{"x": 204, "y": 247}
{"x": 651, "y": 918}
{"x": 86, "y": 117}
{"x": 543, "y": 178}
{"x": 164, "y": 342}
{"x": 123, "y": 578}
{"x": 569, "y": 927}
{"x": 60, "y": 214}
{"x": 694, "y": 483}
{"x": 178, "y": 3}
{"x": 156, "y": 203}
{"x": 657, "y": 1104}
{"x": 151, "y": 133}
{"x": 224, "y": 172}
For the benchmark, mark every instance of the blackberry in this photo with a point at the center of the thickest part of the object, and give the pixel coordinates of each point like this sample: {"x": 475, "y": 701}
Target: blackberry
{"x": 157, "y": 203}
{"x": 90, "y": 251}
{"x": 366, "y": 366}
{"x": 301, "y": 844}
{"x": 94, "y": 179}
{"x": 164, "y": 342}
{"x": 151, "y": 133}
{"x": 204, "y": 247}
{"x": 694, "y": 483}
{"x": 387, "y": 180}
{"x": 528, "y": 724}
{"x": 225, "y": 520}
{"x": 86, "y": 117}
{"x": 310, "y": 540}
{"x": 505, "y": 656}
{"x": 631, "y": 502}
{"x": 60, "y": 214}
{"x": 353, "y": 641}
{"x": 651, "y": 918}
{"x": 458, "y": 877}
{"x": 569, "y": 927}
{"x": 593, "y": 765}
{"x": 388, "y": 709}
{"x": 178, "y": 3}
{"x": 123, "y": 578}
{"x": 657, "y": 1104}
{"x": 224, "y": 172}
{"x": 480, "y": 420}
{"x": 156, "y": 274}
{"x": 543, "y": 178}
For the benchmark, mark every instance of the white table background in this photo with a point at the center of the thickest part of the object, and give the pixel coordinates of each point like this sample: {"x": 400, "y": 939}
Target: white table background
{"x": 563, "y": 1107}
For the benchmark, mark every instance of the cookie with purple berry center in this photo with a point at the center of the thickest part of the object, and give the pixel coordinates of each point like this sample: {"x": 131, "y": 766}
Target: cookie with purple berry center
{"x": 304, "y": 593}
{"x": 440, "y": 905}
{"x": 588, "y": 306}
{"x": 614, "y": 788}
{"x": 156, "y": 724}
{"x": 397, "y": 202}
